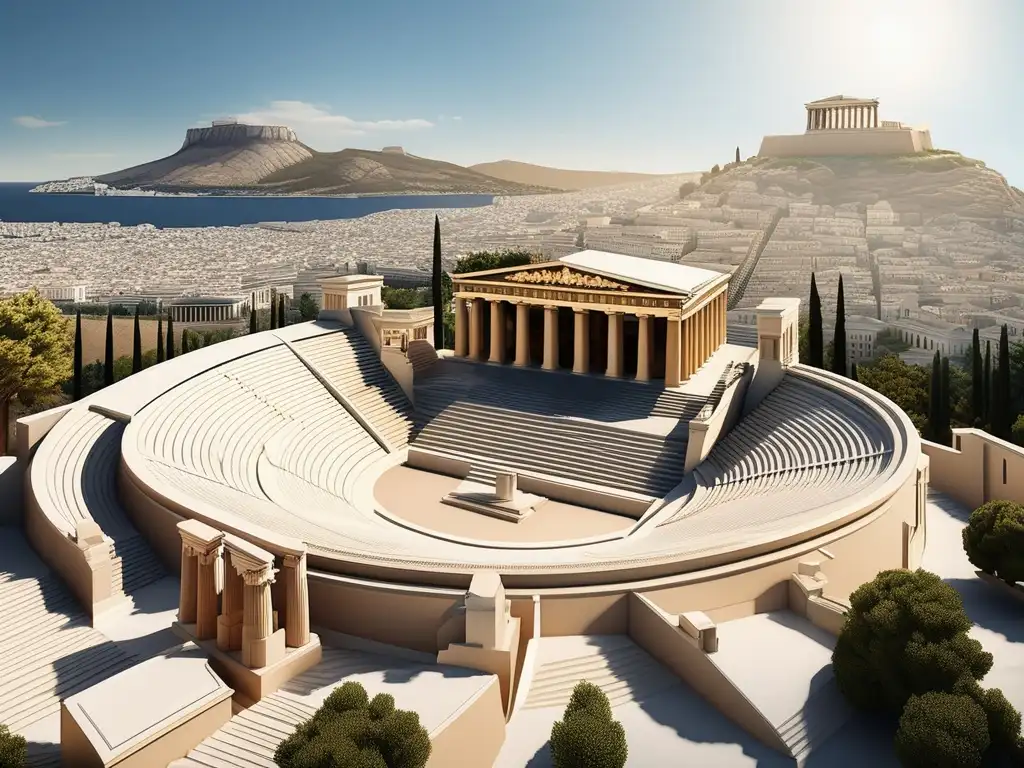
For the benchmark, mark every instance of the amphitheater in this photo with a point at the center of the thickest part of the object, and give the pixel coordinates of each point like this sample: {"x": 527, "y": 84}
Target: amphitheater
{"x": 594, "y": 484}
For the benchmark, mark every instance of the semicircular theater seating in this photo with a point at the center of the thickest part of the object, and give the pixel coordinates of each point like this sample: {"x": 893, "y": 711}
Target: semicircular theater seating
{"x": 803, "y": 445}
{"x": 260, "y": 438}
{"x": 73, "y": 478}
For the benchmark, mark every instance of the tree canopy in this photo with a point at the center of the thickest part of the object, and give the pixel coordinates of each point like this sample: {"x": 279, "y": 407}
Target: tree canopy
{"x": 308, "y": 309}
{"x": 351, "y": 730}
{"x": 586, "y": 736}
{"x": 904, "y": 635}
{"x": 481, "y": 260}
{"x": 35, "y": 353}
{"x": 942, "y": 730}
{"x": 994, "y": 540}
{"x": 13, "y": 749}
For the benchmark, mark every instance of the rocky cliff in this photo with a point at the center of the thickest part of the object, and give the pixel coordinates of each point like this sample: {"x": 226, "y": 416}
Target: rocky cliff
{"x": 270, "y": 159}
{"x": 237, "y": 134}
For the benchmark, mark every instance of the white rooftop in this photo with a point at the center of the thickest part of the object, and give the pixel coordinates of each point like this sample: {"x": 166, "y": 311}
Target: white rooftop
{"x": 660, "y": 275}
{"x": 127, "y": 709}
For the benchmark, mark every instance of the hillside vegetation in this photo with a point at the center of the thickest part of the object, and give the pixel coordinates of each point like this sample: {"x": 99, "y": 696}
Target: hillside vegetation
{"x": 931, "y": 184}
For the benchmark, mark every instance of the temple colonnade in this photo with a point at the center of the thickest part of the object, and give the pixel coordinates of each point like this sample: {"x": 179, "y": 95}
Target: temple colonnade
{"x": 672, "y": 347}
{"x": 226, "y": 593}
{"x": 844, "y": 116}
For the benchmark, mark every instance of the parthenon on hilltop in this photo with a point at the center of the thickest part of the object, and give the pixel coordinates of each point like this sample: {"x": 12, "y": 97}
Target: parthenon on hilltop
{"x": 844, "y": 125}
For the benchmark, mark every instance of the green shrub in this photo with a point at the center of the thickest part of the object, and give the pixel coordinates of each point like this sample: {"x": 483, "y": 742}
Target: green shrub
{"x": 994, "y": 540}
{"x": 349, "y": 731}
{"x": 905, "y": 634}
{"x": 586, "y": 736}
{"x": 13, "y": 749}
{"x": 942, "y": 730}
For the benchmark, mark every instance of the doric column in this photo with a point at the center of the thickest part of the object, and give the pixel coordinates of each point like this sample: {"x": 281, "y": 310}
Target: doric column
{"x": 523, "y": 334}
{"x": 200, "y": 543}
{"x": 809, "y": 114}
{"x": 460, "y": 328}
{"x": 229, "y": 623}
{"x": 187, "y": 597}
{"x": 672, "y": 350}
{"x": 296, "y": 627}
{"x": 474, "y": 307}
{"x": 497, "y": 331}
{"x": 614, "y": 368}
{"x": 874, "y": 112}
{"x": 643, "y": 348}
{"x": 581, "y": 341}
{"x": 550, "y": 338}
{"x": 686, "y": 369}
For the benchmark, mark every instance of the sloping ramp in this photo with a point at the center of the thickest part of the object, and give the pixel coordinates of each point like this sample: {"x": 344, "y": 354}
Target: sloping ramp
{"x": 782, "y": 663}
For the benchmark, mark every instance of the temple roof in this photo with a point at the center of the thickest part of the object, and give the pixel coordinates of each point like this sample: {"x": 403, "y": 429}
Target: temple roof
{"x": 840, "y": 99}
{"x": 599, "y": 270}
{"x": 660, "y": 275}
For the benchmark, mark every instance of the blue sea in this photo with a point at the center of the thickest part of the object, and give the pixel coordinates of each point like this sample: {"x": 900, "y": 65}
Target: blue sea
{"x": 18, "y": 204}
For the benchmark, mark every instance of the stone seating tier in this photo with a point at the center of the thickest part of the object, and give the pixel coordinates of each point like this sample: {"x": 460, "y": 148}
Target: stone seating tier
{"x": 349, "y": 363}
{"x": 74, "y": 478}
{"x": 469, "y": 414}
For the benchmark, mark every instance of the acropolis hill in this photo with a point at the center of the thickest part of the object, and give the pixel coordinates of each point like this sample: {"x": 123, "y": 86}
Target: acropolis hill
{"x": 264, "y": 159}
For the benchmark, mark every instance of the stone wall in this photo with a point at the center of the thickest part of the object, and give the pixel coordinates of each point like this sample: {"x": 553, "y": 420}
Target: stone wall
{"x": 877, "y": 141}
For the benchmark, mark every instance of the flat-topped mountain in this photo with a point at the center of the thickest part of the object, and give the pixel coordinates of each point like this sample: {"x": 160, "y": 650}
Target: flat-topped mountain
{"x": 266, "y": 159}
{"x": 558, "y": 178}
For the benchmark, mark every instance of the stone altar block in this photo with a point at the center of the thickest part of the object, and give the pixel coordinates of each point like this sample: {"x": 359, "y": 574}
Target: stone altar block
{"x": 505, "y": 501}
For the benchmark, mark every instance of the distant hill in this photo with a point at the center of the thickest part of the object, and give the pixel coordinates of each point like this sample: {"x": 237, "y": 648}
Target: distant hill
{"x": 558, "y": 178}
{"x": 271, "y": 160}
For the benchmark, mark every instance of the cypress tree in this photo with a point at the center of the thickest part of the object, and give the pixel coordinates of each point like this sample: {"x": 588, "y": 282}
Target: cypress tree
{"x": 273, "y": 310}
{"x": 170, "y": 337}
{"x": 136, "y": 344}
{"x": 839, "y": 338}
{"x": 737, "y": 155}
{"x": 160, "y": 351}
{"x": 254, "y": 325}
{"x": 77, "y": 392}
{"x": 435, "y": 287}
{"x": 934, "y": 400}
{"x": 977, "y": 381}
{"x": 987, "y": 388}
{"x": 945, "y": 433}
{"x": 1001, "y": 413}
{"x": 280, "y": 311}
{"x": 853, "y": 372}
{"x": 108, "y": 362}
{"x": 184, "y": 342}
{"x": 815, "y": 335}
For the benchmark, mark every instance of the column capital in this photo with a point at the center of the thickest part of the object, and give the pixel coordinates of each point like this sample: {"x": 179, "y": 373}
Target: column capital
{"x": 548, "y": 307}
{"x": 209, "y": 558}
{"x": 612, "y": 312}
{"x": 294, "y": 560}
{"x": 198, "y": 538}
{"x": 254, "y": 564}
{"x": 581, "y": 310}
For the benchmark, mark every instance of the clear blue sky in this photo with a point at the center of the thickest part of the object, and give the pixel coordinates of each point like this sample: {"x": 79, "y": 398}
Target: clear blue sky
{"x": 89, "y": 86}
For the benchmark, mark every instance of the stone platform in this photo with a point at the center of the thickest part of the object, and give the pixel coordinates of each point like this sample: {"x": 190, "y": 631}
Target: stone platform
{"x": 504, "y": 501}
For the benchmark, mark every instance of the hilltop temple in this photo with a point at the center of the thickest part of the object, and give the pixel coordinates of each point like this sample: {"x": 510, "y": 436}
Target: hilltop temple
{"x": 844, "y": 125}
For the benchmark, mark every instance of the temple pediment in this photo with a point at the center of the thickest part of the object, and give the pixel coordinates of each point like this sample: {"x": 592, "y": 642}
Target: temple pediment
{"x": 566, "y": 277}
{"x": 600, "y": 272}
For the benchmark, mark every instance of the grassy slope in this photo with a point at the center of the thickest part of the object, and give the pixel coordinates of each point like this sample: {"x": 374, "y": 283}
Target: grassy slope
{"x": 525, "y": 173}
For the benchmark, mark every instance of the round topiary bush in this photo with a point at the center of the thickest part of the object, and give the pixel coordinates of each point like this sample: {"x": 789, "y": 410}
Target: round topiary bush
{"x": 587, "y": 737}
{"x": 994, "y": 540}
{"x": 942, "y": 730}
{"x": 905, "y": 634}
{"x": 13, "y": 749}
{"x": 352, "y": 732}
